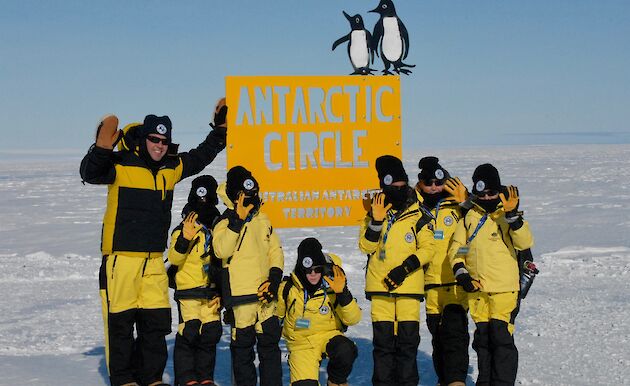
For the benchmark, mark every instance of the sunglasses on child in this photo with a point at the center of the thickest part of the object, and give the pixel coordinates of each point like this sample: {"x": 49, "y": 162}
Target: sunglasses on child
{"x": 433, "y": 181}
{"x": 489, "y": 192}
{"x": 318, "y": 269}
{"x": 153, "y": 139}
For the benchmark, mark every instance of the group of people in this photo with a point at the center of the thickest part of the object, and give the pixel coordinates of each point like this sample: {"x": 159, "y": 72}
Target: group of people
{"x": 437, "y": 242}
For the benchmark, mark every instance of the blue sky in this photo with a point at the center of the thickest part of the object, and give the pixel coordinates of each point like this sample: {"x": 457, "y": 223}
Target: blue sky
{"x": 487, "y": 72}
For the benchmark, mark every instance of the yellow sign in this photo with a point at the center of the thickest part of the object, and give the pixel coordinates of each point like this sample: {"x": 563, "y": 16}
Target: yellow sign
{"x": 311, "y": 142}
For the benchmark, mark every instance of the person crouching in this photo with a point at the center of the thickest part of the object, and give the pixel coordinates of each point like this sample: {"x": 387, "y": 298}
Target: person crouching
{"x": 317, "y": 306}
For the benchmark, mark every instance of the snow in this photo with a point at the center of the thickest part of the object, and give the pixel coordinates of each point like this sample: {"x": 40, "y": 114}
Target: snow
{"x": 572, "y": 329}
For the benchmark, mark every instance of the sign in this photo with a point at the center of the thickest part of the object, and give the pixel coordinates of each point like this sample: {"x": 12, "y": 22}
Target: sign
{"x": 311, "y": 142}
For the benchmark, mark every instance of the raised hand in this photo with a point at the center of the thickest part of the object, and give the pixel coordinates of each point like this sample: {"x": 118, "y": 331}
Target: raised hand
{"x": 456, "y": 189}
{"x": 338, "y": 281}
{"x": 241, "y": 210}
{"x": 190, "y": 226}
{"x": 379, "y": 209}
{"x": 107, "y": 132}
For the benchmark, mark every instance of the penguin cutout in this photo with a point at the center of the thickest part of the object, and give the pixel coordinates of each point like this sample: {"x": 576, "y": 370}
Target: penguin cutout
{"x": 360, "y": 50}
{"x": 391, "y": 37}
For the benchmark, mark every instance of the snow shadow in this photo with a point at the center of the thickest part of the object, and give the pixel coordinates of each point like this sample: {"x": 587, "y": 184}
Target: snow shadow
{"x": 361, "y": 372}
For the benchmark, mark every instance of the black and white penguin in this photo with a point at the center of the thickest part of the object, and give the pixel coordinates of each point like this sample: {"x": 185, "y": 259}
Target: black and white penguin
{"x": 360, "y": 50}
{"x": 390, "y": 35}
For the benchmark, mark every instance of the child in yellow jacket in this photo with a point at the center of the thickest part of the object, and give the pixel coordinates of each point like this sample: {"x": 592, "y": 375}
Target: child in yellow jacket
{"x": 483, "y": 255}
{"x": 196, "y": 291}
{"x": 317, "y": 306}
{"x": 252, "y": 261}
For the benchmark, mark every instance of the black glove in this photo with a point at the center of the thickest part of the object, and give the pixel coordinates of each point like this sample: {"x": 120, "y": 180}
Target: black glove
{"x": 268, "y": 290}
{"x": 396, "y": 276}
{"x": 464, "y": 279}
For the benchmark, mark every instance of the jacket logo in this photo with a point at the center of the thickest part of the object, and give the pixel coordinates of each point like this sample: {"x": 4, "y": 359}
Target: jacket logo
{"x": 409, "y": 237}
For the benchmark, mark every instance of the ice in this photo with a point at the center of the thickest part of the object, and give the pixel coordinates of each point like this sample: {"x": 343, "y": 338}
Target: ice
{"x": 572, "y": 328}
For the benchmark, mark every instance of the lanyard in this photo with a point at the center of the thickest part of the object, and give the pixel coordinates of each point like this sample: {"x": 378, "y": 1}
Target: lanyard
{"x": 479, "y": 225}
{"x": 208, "y": 235}
{"x": 306, "y": 300}
{"x": 437, "y": 210}
{"x": 391, "y": 218}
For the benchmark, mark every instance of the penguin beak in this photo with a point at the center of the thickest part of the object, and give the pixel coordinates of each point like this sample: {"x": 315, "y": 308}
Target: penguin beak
{"x": 375, "y": 10}
{"x": 348, "y": 17}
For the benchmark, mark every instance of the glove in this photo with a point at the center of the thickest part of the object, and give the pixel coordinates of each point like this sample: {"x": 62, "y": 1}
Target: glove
{"x": 191, "y": 227}
{"x": 396, "y": 276}
{"x": 268, "y": 290}
{"x": 456, "y": 189}
{"x": 510, "y": 205}
{"x": 464, "y": 279}
{"x": 379, "y": 210}
{"x": 338, "y": 282}
{"x": 107, "y": 132}
{"x": 241, "y": 210}
{"x": 215, "y": 301}
{"x": 219, "y": 122}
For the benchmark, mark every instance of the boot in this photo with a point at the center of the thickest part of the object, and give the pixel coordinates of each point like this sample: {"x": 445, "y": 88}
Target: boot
{"x": 457, "y": 383}
{"x": 337, "y": 384}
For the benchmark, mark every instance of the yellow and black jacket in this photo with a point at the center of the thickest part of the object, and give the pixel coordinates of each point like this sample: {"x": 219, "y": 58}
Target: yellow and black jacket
{"x": 248, "y": 250}
{"x": 325, "y": 310}
{"x": 408, "y": 235}
{"x": 491, "y": 254}
{"x": 139, "y": 199}
{"x": 446, "y": 217}
{"x": 194, "y": 260}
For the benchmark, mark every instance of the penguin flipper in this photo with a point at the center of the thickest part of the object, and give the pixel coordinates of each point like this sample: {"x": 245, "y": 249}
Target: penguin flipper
{"x": 340, "y": 40}
{"x": 405, "y": 37}
{"x": 377, "y": 35}
{"x": 371, "y": 49}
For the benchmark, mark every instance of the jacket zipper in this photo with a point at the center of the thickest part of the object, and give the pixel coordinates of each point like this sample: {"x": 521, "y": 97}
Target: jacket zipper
{"x": 241, "y": 242}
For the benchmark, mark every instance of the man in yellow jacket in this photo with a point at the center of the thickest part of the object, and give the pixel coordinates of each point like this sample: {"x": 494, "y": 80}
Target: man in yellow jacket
{"x": 196, "y": 286}
{"x": 317, "y": 306}
{"x": 397, "y": 239}
{"x": 446, "y": 303}
{"x": 253, "y": 261}
{"x": 483, "y": 255}
{"x": 133, "y": 282}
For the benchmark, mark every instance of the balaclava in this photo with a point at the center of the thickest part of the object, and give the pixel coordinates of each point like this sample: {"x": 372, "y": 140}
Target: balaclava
{"x": 390, "y": 169}
{"x": 202, "y": 199}
{"x": 239, "y": 180}
{"x": 486, "y": 177}
{"x": 430, "y": 169}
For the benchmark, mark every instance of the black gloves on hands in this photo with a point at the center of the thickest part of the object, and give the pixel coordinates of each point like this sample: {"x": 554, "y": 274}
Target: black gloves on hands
{"x": 464, "y": 279}
{"x": 396, "y": 276}
{"x": 268, "y": 290}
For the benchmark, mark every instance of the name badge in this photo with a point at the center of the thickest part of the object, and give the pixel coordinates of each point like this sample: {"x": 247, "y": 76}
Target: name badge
{"x": 302, "y": 323}
{"x": 438, "y": 235}
{"x": 463, "y": 250}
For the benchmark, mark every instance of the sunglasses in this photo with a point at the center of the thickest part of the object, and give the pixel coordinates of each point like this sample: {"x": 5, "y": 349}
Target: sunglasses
{"x": 164, "y": 141}
{"x": 433, "y": 181}
{"x": 489, "y": 192}
{"x": 318, "y": 269}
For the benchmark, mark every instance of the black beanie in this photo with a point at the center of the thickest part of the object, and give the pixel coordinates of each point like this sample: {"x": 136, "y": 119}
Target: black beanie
{"x": 430, "y": 169}
{"x": 390, "y": 169}
{"x": 157, "y": 125}
{"x": 485, "y": 177}
{"x": 203, "y": 190}
{"x": 240, "y": 179}
{"x": 309, "y": 255}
